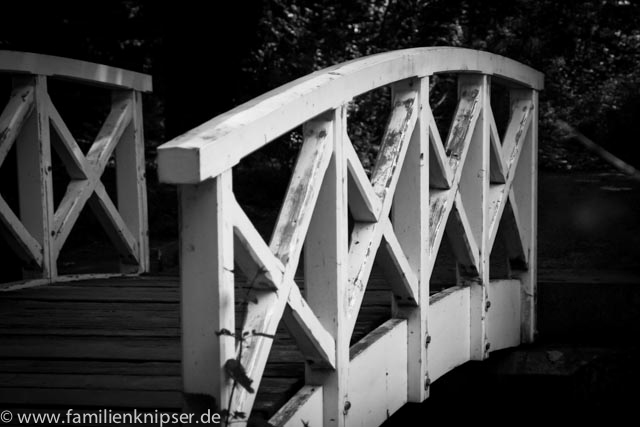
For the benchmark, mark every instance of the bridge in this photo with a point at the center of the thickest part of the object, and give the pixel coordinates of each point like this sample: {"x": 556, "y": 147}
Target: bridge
{"x": 350, "y": 246}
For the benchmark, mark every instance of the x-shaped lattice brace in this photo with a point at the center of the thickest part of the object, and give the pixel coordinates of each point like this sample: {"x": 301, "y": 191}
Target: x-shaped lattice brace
{"x": 86, "y": 171}
{"x": 14, "y": 116}
{"x": 270, "y": 268}
{"x": 504, "y": 161}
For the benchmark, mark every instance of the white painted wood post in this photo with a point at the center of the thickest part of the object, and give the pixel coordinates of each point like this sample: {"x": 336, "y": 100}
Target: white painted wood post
{"x": 411, "y": 226}
{"x": 207, "y": 289}
{"x": 33, "y": 149}
{"x": 325, "y": 263}
{"x": 131, "y": 185}
{"x": 474, "y": 187}
{"x": 525, "y": 187}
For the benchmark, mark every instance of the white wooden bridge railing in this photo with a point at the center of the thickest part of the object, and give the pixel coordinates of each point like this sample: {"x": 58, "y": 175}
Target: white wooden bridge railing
{"x": 37, "y": 232}
{"x": 419, "y": 186}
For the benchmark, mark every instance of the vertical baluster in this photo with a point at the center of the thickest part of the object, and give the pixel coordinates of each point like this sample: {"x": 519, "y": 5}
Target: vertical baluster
{"x": 207, "y": 289}
{"x": 411, "y": 226}
{"x": 33, "y": 149}
{"x": 131, "y": 184}
{"x": 326, "y": 264}
{"x": 525, "y": 188}
{"x": 474, "y": 187}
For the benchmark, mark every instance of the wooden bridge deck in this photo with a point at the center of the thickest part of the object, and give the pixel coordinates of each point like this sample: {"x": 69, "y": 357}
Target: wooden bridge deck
{"x": 115, "y": 343}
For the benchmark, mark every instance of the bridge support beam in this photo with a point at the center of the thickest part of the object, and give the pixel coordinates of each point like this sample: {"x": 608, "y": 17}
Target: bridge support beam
{"x": 207, "y": 289}
{"x": 325, "y": 273}
{"x": 411, "y": 226}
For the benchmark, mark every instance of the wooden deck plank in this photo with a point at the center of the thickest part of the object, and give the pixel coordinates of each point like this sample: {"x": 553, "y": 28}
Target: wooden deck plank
{"x": 116, "y": 343}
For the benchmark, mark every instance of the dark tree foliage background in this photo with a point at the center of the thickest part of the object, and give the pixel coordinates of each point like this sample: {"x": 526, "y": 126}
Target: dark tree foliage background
{"x": 207, "y": 57}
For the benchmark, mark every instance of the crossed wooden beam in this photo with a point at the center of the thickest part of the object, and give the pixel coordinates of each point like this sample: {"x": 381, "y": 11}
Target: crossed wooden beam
{"x": 271, "y": 267}
{"x": 85, "y": 173}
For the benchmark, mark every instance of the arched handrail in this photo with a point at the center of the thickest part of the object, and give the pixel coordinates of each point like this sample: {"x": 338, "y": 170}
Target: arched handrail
{"x": 223, "y": 141}
{"x": 66, "y": 68}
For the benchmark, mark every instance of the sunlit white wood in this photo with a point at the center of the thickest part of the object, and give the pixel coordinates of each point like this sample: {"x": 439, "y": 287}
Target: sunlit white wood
{"x": 260, "y": 266}
{"x": 377, "y": 376}
{"x": 440, "y": 175}
{"x": 325, "y": 266}
{"x": 449, "y": 320}
{"x": 411, "y": 227}
{"x": 221, "y": 142}
{"x": 497, "y": 168}
{"x": 366, "y": 237}
{"x": 33, "y": 150}
{"x": 399, "y": 273}
{"x": 314, "y": 341}
{"x": 268, "y": 296}
{"x": 503, "y": 317}
{"x": 132, "y": 185}
{"x": 304, "y": 408}
{"x": 55, "y": 66}
{"x": 207, "y": 288}
{"x": 462, "y": 130}
{"x": 515, "y": 238}
{"x": 294, "y": 217}
{"x": 519, "y": 122}
{"x": 364, "y": 204}
{"x": 513, "y": 142}
{"x": 472, "y": 211}
{"x": 462, "y": 241}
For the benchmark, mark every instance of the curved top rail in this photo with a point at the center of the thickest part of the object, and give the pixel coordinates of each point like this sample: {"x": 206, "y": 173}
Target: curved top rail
{"x": 211, "y": 148}
{"x": 55, "y": 66}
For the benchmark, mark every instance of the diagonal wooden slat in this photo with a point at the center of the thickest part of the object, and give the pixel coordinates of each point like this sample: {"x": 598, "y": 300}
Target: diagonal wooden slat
{"x": 262, "y": 315}
{"x": 79, "y": 191}
{"x": 76, "y": 195}
{"x": 463, "y": 243}
{"x": 366, "y": 237}
{"x": 118, "y": 119}
{"x": 497, "y": 169}
{"x": 396, "y": 268}
{"x": 514, "y": 234}
{"x": 291, "y": 229}
{"x": 294, "y": 218}
{"x": 20, "y": 240}
{"x": 265, "y": 308}
{"x": 440, "y": 175}
{"x": 66, "y": 146}
{"x": 462, "y": 126}
{"x": 394, "y": 142}
{"x": 317, "y": 346}
{"x": 113, "y": 225}
{"x": 14, "y": 115}
{"x": 512, "y": 146}
{"x": 519, "y": 123}
{"x": 364, "y": 204}
{"x": 462, "y": 129}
